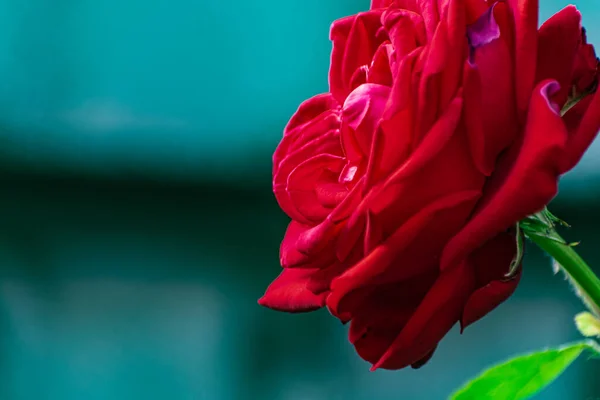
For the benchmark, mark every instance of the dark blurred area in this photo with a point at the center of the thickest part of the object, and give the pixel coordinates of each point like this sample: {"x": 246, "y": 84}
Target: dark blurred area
{"x": 139, "y": 227}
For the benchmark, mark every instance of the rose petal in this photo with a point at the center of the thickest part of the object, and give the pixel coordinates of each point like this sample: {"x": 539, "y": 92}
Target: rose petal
{"x": 327, "y": 145}
{"x": 319, "y": 237}
{"x": 314, "y": 117}
{"x": 429, "y": 89}
{"x": 303, "y": 182}
{"x": 525, "y": 181}
{"x": 320, "y": 281}
{"x": 355, "y": 41}
{"x": 490, "y": 112}
{"x": 455, "y": 20}
{"x": 424, "y": 360}
{"x": 406, "y": 30}
{"x": 433, "y": 143}
{"x": 380, "y": 3}
{"x": 374, "y": 329}
{"x": 430, "y": 13}
{"x": 584, "y": 134}
{"x": 438, "y": 312}
{"x": 361, "y": 115}
{"x": 491, "y": 263}
{"x": 373, "y": 234}
{"x": 291, "y": 257}
{"x": 380, "y": 314}
{"x": 475, "y": 8}
{"x": 525, "y": 14}
{"x": 558, "y": 42}
{"x": 375, "y": 263}
{"x": 483, "y": 31}
{"x": 311, "y": 109}
{"x": 288, "y": 292}
{"x": 380, "y": 70}
{"x": 585, "y": 72}
{"x": 403, "y": 193}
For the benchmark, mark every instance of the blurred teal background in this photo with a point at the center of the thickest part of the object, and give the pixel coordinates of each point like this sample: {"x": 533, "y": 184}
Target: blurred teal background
{"x": 139, "y": 228}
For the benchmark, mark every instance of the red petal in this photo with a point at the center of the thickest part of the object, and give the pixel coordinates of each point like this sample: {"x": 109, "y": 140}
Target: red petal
{"x": 313, "y": 119}
{"x": 379, "y": 72}
{"x": 318, "y": 238}
{"x": 431, "y": 17}
{"x": 361, "y": 115}
{"x": 490, "y": 112}
{"x": 424, "y": 360}
{"x": 375, "y": 328}
{"x": 487, "y": 298}
{"x": 380, "y": 3}
{"x": 378, "y": 315}
{"x": 340, "y": 30}
{"x": 325, "y": 145}
{"x": 429, "y": 88}
{"x": 406, "y": 30}
{"x": 355, "y": 41}
{"x": 559, "y": 39}
{"x": 491, "y": 263}
{"x": 303, "y": 181}
{"x": 455, "y": 49}
{"x": 586, "y": 66}
{"x": 525, "y": 14}
{"x": 288, "y": 292}
{"x": 379, "y": 260}
{"x": 403, "y": 194}
{"x": 442, "y": 67}
{"x": 320, "y": 281}
{"x": 438, "y": 312}
{"x": 373, "y": 234}
{"x": 291, "y": 257}
{"x": 585, "y": 132}
{"x": 525, "y": 181}
{"x": 313, "y": 130}
{"x": 393, "y": 139}
{"x": 311, "y": 109}
{"x": 433, "y": 143}
{"x": 475, "y": 8}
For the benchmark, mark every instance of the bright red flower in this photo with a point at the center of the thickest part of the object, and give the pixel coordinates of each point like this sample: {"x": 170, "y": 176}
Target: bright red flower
{"x": 441, "y": 130}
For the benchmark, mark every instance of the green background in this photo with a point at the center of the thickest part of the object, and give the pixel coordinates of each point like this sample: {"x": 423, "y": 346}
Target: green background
{"x": 139, "y": 228}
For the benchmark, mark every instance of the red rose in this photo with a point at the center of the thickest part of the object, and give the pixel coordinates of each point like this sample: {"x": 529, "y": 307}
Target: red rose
{"x": 442, "y": 129}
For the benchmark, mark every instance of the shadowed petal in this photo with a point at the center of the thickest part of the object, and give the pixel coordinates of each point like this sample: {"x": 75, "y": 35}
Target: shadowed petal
{"x": 438, "y": 312}
{"x": 585, "y": 132}
{"x": 491, "y": 263}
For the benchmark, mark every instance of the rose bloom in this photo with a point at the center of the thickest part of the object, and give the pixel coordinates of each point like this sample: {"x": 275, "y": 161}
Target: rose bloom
{"x": 441, "y": 130}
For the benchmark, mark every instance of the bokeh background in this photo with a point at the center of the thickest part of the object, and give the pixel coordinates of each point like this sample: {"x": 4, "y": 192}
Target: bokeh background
{"x": 138, "y": 226}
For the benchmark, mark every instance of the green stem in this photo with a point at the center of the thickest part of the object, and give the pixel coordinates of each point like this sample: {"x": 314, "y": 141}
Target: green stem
{"x": 577, "y": 269}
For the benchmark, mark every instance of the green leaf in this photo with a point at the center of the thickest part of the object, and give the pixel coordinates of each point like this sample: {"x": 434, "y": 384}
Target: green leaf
{"x": 523, "y": 376}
